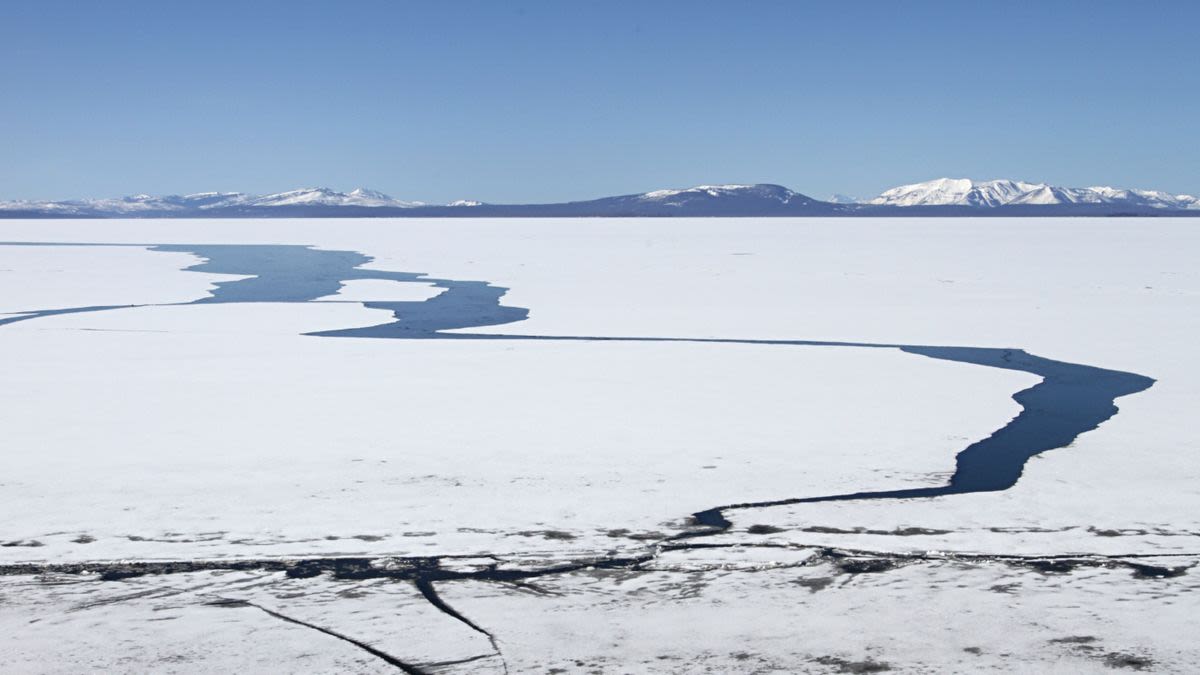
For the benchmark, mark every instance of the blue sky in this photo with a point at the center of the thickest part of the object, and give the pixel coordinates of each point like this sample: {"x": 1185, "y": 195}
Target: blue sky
{"x": 544, "y": 101}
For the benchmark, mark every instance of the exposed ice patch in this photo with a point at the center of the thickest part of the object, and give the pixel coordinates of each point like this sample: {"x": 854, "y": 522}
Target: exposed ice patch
{"x": 383, "y": 290}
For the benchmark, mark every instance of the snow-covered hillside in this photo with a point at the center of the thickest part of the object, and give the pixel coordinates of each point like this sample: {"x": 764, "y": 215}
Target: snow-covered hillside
{"x": 203, "y": 203}
{"x": 709, "y": 192}
{"x": 327, "y": 197}
{"x": 707, "y": 200}
{"x": 993, "y": 193}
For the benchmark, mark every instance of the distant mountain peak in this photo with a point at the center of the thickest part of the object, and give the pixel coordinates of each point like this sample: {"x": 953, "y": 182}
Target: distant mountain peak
{"x": 367, "y": 193}
{"x": 710, "y": 190}
{"x": 323, "y": 196}
{"x": 763, "y": 191}
{"x": 1007, "y": 192}
{"x": 956, "y": 191}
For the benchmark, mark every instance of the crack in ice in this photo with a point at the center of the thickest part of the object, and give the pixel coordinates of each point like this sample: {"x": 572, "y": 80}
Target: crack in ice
{"x": 425, "y": 585}
{"x": 406, "y": 667}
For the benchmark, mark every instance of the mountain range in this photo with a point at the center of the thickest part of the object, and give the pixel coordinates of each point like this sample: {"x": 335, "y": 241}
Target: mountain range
{"x": 941, "y": 197}
{"x": 1000, "y": 193}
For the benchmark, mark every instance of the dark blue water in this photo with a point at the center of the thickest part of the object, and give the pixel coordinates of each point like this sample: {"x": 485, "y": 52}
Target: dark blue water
{"x": 37, "y": 314}
{"x": 301, "y": 274}
{"x": 1070, "y": 400}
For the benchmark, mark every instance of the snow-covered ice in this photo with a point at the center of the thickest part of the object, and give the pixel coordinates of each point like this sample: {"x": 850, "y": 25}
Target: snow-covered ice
{"x": 175, "y": 432}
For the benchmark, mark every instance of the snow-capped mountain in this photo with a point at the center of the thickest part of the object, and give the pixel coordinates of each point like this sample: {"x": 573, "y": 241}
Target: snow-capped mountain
{"x": 171, "y": 203}
{"x": 703, "y": 200}
{"x": 942, "y": 197}
{"x": 209, "y": 203}
{"x": 996, "y": 193}
{"x": 327, "y": 197}
{"x": 843, "y": 199}
{"x": 683, "y": 196}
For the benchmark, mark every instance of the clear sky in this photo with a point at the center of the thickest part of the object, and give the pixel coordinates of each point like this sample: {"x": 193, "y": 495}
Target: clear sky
{"x": 511, "y": 101}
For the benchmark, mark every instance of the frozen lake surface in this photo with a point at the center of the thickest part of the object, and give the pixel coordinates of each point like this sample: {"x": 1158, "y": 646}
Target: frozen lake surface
{"x": 720, "y": 415}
